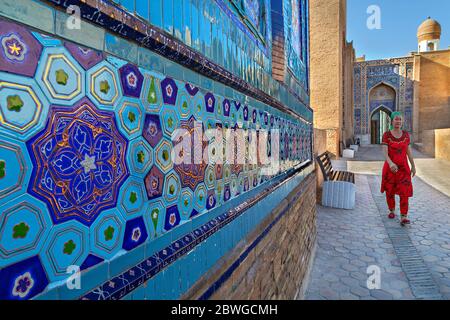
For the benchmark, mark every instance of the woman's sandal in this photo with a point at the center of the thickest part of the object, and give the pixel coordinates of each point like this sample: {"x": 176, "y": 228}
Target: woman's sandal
{"x": 391, "y": 215}
{"x": 404, "y": 221}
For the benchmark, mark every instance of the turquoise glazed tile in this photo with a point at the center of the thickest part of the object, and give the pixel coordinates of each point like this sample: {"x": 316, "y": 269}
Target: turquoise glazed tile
{"x": 191, "y": 77}
{"x": 158, "y": 244}
{"x": 156, "y": 288}
{"x": 121, "y": 48}
{"x": 32, "y": 13}
{"x": 150, "y": 60}
{"x": 173, "y": 70}
{"x": 51, "y": 294}
{"x": 89, "y": 280}
{"x": 123, "y": 262}
{"x": 86, "y": 33}
{"x": 139, "y": 293}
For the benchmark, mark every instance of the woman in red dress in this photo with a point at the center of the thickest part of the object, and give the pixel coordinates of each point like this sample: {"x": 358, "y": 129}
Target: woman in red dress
{"x": 396, "y": 179}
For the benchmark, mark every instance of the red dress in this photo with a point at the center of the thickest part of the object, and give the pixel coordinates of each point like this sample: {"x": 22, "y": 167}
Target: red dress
{"x": 400, "y": 182}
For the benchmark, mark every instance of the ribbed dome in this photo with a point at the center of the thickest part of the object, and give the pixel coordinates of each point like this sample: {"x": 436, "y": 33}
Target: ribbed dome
{"x": 429, "y": 30}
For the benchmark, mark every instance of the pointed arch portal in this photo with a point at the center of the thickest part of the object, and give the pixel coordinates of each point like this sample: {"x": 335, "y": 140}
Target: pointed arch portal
{"x": 382, "y": 101}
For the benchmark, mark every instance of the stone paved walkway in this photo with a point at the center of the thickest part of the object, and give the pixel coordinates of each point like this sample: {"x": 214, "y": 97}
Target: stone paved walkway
{"x": 414, "y": 261}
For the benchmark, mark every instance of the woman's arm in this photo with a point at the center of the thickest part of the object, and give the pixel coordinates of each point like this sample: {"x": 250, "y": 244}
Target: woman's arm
{"x": 411, "y": 160}
{"x": 391, "y": 164}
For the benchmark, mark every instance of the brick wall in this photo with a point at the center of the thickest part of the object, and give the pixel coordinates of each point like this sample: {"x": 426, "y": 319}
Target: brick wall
{"x": 277, "y": 266}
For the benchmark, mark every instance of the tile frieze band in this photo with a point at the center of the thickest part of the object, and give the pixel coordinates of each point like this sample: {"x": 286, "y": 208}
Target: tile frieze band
{"x": 117, "y": 20}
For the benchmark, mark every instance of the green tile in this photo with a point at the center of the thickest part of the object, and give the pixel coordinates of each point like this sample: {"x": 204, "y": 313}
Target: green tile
{"x": 31, "y": 13}
{"x": 87, "y": 34}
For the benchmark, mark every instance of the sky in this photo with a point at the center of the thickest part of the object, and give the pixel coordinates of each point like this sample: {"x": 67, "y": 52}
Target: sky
{"x": 400, "y": 19}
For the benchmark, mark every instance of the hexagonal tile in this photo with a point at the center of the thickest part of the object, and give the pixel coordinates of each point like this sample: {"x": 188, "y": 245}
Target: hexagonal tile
{"x": 226, "y": 107}
{"x": 198, "y": 107}
{"x": 107, "y": 233}
{"x": 130, "y": 115}
{"x": 210, "y": 177}
{"x": 135, "y": 233}
{"x": 24, "y": 226}
{"x": 186, "y": 203}
{"x": 132, "y": 80}
{"x": 20, "y": 50}
{"x": 151, "y": 93}
{"x": 132, "y": 198}
{"x": 23, "y": 280}
{"x": 226, "y": 193}
{"x": 154, "y": 183}
{"x": 169, "y": 91}
{"x": 152, "y": 129}
{"x": 236, "y": 184}
{"x": 172, "y": 187}
{"x": 61, "y": 77}
{"x": 163, "y": 155}
{"x": 200, "y": 196}
{"x": 23, "y": 107}
{"x": 15, "y": 169}
{"x": 185, "y": 106}
{"x": 66, "y": 245}
{"x": 172, "y": 218}
{"x": 211, "y": 200}
{"x": 154, "y": 217}
{"x": 139, "y": 157}
{"x": 170, "y": 121}
{"x": 103, "y": 85}
{"x": 210, "y": 102}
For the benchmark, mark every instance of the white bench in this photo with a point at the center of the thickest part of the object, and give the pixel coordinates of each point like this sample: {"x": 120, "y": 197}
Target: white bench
{"x": 339, "y": 188}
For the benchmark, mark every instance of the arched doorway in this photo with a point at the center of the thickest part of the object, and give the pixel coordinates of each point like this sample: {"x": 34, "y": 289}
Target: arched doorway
{"x": 382, "y": 101}
{"x": 379, "y": 124}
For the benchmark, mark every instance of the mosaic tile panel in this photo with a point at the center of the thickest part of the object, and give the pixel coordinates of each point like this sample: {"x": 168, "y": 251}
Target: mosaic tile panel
{"x": 86, "y": 168}
{"x": 395, "y": 73}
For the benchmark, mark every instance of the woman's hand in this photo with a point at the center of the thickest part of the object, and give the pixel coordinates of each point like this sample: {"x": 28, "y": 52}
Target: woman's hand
{"x": 413, "y": 171}
{"x": 394, "y": 167}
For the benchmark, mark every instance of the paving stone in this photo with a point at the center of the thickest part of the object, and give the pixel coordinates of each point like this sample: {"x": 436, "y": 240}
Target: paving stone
{"x": 360, "y": 291}
{"x": 381, "y": 295}
{"x": 414, "y": 261}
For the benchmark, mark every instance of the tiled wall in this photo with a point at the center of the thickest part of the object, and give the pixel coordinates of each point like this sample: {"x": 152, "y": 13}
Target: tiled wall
{"x": 214, "y": 28}
{"x": 396, "y": 74}
{"x": 86, "y": 176}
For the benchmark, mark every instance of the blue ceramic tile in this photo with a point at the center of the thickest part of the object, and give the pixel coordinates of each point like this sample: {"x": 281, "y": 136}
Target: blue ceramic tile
{"x": 168, "y": 15}
{"x": 126, "y": 261}
{"x": 51, "y": 294}
{"x": 156, "y": 14}
{"x": 150, "y": 60}
{"x": 158, "y": 244}
{"x": 178, "y": 18}
{"x": 32, "y": 13}
{"x": 89, "y": 280}
{"x": 142, "y": 8}
{"x": 121, "y": 47}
